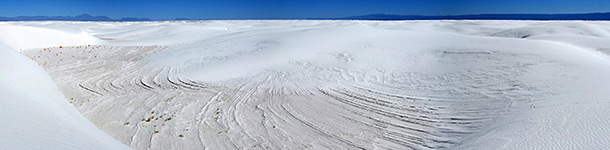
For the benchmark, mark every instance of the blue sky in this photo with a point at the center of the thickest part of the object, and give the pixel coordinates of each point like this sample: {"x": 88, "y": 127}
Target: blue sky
{"x": 286, "y": 9}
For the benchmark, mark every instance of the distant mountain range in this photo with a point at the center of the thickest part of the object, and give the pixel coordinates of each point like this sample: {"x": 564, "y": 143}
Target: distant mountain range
{"x": 582, "y": 16}
{"x": 83, "y": 17}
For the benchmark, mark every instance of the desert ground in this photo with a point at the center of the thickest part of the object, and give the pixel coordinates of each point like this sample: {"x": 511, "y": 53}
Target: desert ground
{"x": 305, "y": 84}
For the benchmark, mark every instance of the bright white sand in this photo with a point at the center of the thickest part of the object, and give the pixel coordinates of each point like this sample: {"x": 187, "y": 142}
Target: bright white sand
{"x": 320, "y": 84}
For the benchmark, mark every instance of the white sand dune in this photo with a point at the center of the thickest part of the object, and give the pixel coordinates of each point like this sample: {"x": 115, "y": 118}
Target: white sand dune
{"x": 35, "y": 115}
{"x": 327, "y": 84}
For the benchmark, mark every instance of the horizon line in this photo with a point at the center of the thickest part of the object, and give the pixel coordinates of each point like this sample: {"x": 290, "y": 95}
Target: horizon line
{"x": 430, "y": 17}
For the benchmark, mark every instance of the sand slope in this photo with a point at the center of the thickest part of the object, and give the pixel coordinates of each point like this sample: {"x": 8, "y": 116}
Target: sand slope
{"x": 338, "y": 84}
{"x": 35, "y": 115}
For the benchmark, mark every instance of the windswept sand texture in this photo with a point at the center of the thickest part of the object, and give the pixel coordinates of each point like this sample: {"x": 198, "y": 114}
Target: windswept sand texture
{"x": 339, "y": 84}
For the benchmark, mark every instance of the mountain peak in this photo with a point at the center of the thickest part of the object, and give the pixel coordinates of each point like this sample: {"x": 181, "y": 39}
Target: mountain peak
{"x": 82, "y": 17}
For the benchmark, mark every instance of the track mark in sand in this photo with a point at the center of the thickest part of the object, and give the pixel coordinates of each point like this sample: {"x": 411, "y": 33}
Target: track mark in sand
{"x": 146, "y": 85}
{"x": 271, "y": 110}
{"x": 92, "y": 91}
{"x": 321, "y": 131}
